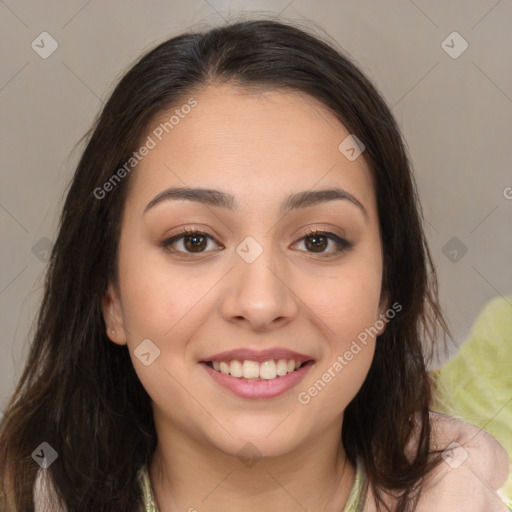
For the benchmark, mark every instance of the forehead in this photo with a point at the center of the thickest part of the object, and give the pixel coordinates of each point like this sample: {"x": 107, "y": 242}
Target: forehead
{"x": 258, "y": 145}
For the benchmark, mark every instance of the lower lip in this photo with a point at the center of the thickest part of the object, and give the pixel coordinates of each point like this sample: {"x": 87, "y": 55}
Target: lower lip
{"x": 257, "y": 389}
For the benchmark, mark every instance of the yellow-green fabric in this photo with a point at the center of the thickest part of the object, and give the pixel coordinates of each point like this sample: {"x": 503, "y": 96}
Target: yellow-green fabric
{"x": 476, "y": 385}
{"x": 145, "y": 483}
{"x": 355, "y": 500}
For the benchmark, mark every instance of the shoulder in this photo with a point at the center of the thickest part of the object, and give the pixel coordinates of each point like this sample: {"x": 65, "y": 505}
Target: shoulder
{"x": 476, "y": 445}
{"x": 473, "y": 468}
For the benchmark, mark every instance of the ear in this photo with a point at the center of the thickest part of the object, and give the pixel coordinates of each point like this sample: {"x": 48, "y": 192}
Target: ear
{"x": 112, "y": 314}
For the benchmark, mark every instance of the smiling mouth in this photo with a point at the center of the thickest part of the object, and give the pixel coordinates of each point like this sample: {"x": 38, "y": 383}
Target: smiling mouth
{"x": 256, "y": 371}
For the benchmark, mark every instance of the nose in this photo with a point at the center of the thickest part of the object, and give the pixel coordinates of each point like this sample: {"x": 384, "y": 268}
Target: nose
{"x": 259, "y": 294}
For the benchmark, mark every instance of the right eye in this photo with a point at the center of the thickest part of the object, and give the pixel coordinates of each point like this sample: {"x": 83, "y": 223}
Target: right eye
{"x": 193, "y": 242}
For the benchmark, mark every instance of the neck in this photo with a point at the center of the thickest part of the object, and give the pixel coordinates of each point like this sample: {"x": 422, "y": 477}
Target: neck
{"x": 189, "y": 475}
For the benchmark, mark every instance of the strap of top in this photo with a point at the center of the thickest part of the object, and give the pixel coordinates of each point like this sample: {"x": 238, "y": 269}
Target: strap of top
{"x": 355, "y": 500}
{"x": 147, "y": 491}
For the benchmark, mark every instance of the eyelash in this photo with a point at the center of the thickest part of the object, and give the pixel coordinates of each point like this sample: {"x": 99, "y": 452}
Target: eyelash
{"x": 342, "y": 244}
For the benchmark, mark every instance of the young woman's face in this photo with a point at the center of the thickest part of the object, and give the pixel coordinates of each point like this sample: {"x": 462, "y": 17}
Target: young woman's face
{"x": 254, "y": 279}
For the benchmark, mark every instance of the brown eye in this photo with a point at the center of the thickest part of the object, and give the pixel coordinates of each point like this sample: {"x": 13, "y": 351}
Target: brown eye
{"x": 318, "y": 241}
{"x": 194, "y": 242}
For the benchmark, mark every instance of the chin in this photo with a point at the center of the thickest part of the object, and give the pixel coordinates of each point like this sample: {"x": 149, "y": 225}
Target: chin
{"x": 259, "y": 441}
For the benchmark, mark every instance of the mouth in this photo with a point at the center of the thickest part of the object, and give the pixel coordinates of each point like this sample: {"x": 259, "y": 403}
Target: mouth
{"x": 258, "y": 380}
{"x": 250, "y": 370}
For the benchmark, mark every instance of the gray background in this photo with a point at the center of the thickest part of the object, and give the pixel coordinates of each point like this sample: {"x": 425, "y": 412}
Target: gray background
{"x": 455, "y": 114}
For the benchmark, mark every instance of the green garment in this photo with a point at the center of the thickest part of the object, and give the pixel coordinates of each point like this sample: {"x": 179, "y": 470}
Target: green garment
{"x": 476, "y": 385}
{"x": 355, "y": 500}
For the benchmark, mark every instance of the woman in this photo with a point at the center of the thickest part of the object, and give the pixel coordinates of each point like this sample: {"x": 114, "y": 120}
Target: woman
{"x": 237, "y": 298}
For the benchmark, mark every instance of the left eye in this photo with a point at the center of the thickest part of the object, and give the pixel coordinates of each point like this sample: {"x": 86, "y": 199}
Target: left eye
{"x": 195, "y": 242}
{"x": 318, "y": 240}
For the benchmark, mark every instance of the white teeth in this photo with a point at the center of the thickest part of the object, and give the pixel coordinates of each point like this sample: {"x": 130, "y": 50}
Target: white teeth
{"x": 281, "y": 367}
{"x": 267, "y": 370}
{"x": 251, "y": 369}
{"x": 235, "y": 369}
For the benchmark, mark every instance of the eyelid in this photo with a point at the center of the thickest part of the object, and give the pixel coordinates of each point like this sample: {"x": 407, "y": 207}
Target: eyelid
{"x": 342, "y": 244}
{"x": 183, "y": 233}
{"x": 337, "y": 239}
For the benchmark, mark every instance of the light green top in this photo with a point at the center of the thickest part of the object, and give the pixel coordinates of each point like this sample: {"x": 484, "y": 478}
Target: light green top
{"x": 476, "y": 385}
{"x": 355, "y": 500}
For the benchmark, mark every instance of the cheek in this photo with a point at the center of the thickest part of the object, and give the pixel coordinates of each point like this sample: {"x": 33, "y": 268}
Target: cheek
{"x": 349, "y": 328}
{"x": 166, "y": 305}
{"x": 158, "y": 298}
{"x": 346, "y": 307}
{"x": 347, "y": 301}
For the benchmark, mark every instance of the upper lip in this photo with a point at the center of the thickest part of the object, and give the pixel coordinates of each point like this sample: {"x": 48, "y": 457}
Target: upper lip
{"x": 257, "y": 355}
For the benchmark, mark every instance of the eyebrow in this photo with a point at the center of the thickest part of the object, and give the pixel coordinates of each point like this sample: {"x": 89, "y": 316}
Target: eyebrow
{"x": 223, "y": 199}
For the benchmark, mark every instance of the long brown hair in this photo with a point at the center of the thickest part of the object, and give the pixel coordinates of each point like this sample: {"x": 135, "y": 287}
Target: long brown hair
{"x": 79, "y": 391}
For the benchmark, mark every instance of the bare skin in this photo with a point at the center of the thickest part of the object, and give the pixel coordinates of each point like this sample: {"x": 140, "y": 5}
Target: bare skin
{"x": 260, "y": 148}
